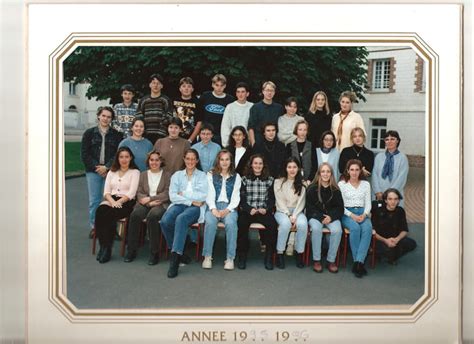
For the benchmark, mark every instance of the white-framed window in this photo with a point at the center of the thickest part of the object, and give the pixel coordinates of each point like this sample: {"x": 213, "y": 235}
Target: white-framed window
{"x": 381, "y": 75}
{"x": 378, "y": 128}
{"x": 72, "y": 89}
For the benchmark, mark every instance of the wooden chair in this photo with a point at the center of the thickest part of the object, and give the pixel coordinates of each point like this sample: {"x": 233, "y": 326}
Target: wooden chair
{"x": 372, "y": 247}
{"x": 122, "y": 226}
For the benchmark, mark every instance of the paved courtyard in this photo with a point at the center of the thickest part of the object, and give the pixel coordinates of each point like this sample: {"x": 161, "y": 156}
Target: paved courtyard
{"x": 137, "y": 285}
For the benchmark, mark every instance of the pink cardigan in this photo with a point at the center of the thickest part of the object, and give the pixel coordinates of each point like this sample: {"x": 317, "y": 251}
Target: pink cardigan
{"x": 126, "y": 185}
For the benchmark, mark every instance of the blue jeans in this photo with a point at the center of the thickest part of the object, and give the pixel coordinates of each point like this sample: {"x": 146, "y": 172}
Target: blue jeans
{"x": 360, "y": 234}
{"x": 95, "y": 188}
{"x": 175, "y": 223}
{"x": 230, "y": 222}
{"x": 317, "y": 236}
{"x": 284, "y": 226}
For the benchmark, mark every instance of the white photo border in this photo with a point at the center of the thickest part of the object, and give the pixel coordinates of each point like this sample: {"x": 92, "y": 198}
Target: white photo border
{"x": 372, "y": 314}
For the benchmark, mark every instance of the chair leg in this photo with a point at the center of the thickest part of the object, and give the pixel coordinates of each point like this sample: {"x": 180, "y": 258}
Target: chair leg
{"x": 344, "y": 256}
{"x": 374, "y": 241}
{"x": 124, "y": 239}
{"x": 308, "y": 248}
{"x": 94, "y": 241}
{"x": 198, "y": 239}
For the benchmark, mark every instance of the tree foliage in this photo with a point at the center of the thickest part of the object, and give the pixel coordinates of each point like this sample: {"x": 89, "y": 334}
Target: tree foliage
{"x": 297, "y": 70}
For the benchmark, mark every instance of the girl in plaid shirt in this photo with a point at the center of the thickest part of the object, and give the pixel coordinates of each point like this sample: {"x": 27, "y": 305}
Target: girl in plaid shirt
{"x": 257, "y": 200}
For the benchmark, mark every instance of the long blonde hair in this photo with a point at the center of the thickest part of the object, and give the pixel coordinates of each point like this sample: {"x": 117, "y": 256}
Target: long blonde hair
{"x": 313, "y": 108}
{"x": 317, "y": 180}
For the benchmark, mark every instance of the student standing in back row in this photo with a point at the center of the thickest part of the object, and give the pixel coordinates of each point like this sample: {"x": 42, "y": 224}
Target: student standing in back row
{"x": 265, "y": 111}
{"x": 213, "y": 104}
{"x": 156, "y": 109}
{"x": 318, "y": 117}
{"x": 236, "y": 113}
{"x": 125, "y": 111}
{"x": 187, "y": 110}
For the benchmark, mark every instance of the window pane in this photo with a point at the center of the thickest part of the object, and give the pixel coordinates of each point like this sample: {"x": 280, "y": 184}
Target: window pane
{"x": 373, "y": 143}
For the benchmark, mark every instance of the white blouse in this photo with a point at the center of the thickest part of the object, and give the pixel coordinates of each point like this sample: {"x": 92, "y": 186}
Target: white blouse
{"x": 356, "y": 196}
{"x": 153, "y": 181}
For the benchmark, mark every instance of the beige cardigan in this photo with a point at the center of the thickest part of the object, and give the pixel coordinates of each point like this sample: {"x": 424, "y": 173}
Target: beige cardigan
{"x": 285, "y": 197}
{"x": 353, "y": 120}
{"x": 162, "y": 191}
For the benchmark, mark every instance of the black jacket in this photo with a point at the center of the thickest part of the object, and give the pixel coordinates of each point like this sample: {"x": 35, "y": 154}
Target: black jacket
{"x": 332, "y": 203}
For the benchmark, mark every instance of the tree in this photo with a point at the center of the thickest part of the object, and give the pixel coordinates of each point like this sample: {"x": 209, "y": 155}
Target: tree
{"x": 297, "y": 70}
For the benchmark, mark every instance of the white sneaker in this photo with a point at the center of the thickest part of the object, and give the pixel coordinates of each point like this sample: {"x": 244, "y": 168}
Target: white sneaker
{"x": 229, "y": 264}
{"x": 207, "y": 263}
{"x": 290, "y": 249}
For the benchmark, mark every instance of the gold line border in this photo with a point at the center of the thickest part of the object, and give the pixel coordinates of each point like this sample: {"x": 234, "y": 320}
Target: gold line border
{"x": 365, "y": 314}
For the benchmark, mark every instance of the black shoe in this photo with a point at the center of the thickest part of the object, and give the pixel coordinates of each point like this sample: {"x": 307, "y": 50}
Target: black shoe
{"x": 174, "y": 265}
{"x": 92, "y": 233}
{"x": 241, "y": 261}
{"x": 280, "y": 261}
{"x": 185, "y": 259}
{"x": 268, "y": 260}
{"x": 100, "y": 253}
{"x": 299, "y": 260}
{"x": 154, "y": 259}
{"x": 362, "y": 269}
{"x": 106, "y": 256}
{"x": 354, "y": 267}
{"x": 130, "y": 256}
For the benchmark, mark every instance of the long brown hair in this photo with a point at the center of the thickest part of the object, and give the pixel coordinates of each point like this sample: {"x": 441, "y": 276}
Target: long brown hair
{"x": 116, "y": 164}
{"x": 216, "y": 169}
{"x": 249, "y": 171}
{"x": 351, "y": 162}
{"x": 298, "y": 183}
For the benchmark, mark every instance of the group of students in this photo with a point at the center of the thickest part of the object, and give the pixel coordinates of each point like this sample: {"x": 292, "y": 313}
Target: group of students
{"x": 289, "y": 173}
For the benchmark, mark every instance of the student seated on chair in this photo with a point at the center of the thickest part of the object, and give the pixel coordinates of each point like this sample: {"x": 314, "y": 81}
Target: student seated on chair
{"x": 120, "y": 188}
{"x": 390, "y": 224}
{"x": 222, "y": 201}
{"x": 152, "y": 201}
{"x": 324, "y": 207}
{"x": 188, "y": 191}
{"x": 357, "y": 204}
{"x": 256, "y": 202}
{"x": 290, "y": 200}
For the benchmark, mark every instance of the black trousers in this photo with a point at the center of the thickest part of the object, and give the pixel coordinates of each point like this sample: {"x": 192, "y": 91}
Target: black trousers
{"x": 393, "y": 253}
{"x": 153, "y": 216}
{"x": 106, "y": 219}
{"x": 268, "y": 235}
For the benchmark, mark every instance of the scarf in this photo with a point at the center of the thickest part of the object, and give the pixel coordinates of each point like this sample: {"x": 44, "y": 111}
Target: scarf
{"x": 387, "y": 170}
{"x": 326, "y": 150}
{"x": 339, "y": 128}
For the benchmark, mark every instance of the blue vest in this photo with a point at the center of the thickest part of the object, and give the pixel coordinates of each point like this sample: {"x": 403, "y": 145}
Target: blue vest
{"x": 229, "y": 185}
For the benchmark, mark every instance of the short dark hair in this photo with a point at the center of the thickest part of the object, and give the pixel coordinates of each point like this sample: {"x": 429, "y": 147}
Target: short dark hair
{"x": 267, "y": 124}
{"x": 107, "y": 108}
{"x": 395, "y": 191}
{"x": 242, "y": 84}
{"x": 155, "y": 76}
{"x": 327, "y": 132}
{"x": 116, "y": 164}
{"x": 176, "y": 121}
{"x": 290, "y": 100}
{"x": 186, "y": 80}
{"x": 207, "y": 126}
{"x": 127, "y": 87}
{"x": 395, "y": 134}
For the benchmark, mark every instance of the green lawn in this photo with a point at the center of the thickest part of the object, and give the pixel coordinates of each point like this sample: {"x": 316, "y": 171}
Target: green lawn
{"x": 72, "y": 155}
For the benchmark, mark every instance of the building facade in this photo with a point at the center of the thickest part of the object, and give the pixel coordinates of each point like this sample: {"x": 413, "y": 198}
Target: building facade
{"x": 395, "y": 100}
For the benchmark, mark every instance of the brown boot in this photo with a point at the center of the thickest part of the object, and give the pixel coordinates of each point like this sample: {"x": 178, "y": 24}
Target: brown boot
{"x": 317, "y": 266}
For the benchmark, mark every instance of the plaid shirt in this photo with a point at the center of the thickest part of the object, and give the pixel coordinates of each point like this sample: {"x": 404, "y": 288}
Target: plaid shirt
{"x": 257, "y": 193}
{"x": 124, "y": 116}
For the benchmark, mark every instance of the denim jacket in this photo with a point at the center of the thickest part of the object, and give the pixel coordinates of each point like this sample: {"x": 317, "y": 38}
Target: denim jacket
{"x": 90, "y": 147}
{"x": 178, "y": 184}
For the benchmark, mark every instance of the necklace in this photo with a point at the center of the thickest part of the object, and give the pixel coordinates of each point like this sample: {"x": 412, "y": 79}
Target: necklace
{"x": 359, "y": 152}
